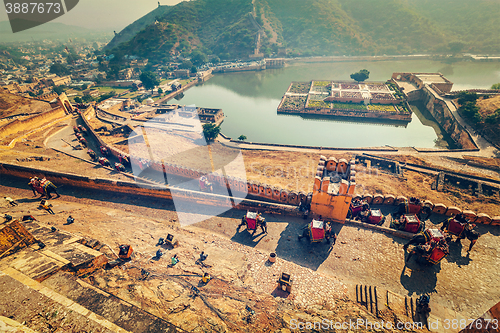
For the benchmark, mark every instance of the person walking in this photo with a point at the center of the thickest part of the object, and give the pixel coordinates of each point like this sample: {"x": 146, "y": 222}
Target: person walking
{"x": 10, "y": 201}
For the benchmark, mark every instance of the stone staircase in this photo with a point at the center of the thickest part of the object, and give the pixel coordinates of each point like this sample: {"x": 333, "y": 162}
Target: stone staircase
{"x": 41, "y": 290}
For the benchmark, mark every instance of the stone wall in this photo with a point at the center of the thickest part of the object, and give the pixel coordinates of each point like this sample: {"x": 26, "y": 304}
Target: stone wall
{"x": 32, "y": 122}
{"x": 286, "y": 203}
{"x": 444, "y": 117}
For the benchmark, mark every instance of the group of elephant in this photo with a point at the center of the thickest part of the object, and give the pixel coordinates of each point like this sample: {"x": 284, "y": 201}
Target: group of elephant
{"x": 458, "y": 226}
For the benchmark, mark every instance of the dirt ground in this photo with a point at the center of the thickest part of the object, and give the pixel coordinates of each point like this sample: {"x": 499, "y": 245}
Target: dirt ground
{"x": 242, "y": 277}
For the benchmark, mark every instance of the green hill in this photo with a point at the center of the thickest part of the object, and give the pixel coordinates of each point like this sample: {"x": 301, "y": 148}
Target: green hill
{"x": 229, "y": 28}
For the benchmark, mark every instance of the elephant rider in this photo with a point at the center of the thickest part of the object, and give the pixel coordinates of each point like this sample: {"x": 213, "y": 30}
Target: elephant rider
{"x": 425, "y": 250}
{"x": 83, "y": 141}
{"x": 92, "y": 154}
{"x": 262, "y": 222}
{"x": 329, "y": 233}
{"x": 34, "y": 184}
{"x": 104, "y": 161}
{"x": 119, "y": 167}
{"x": 365, "y": 211}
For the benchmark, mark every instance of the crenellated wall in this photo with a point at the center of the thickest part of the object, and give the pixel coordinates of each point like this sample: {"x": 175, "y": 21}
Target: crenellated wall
{"x": 285, "y": 205}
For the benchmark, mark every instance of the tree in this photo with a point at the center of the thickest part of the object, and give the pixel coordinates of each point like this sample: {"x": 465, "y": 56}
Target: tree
{"x": 456, "y": 47}
{"x": 242, "y": 138}
{"x": 496, "y": 86}
{"x": 58, "y": 89}
{"x": 493, "y": 118}
{"x": 160, "y": 91}
{"x": 471, "y": 111}
{"x": 84, "y": 86}
{"x": 78, "y": 100}
{"x": 186, "y": 64}
{"x": 215, "y": 60}
{"x": 194, "y": 69}
{"x": 466, "y": 96}
{"x": 87, "y": 98}
{"x": 211, "y": 131}
{"x": 360, "y": 76}
{"x": 149, "y": 80}
{"x": 59, "y": 69}
{"x": 198, "y": 58}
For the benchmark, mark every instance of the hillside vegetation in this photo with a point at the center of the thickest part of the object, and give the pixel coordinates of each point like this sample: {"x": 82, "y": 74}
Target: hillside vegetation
{"x": 229, "y": 28}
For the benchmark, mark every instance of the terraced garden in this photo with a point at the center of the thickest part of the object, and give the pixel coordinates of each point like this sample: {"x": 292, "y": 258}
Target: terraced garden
{"x": 300, "y": 87}
{"x": 316, "y": 102}
{"x": 348, "y": 106}
{"x": 382, "y": 108}
{"x": 317, "y": 97}
{"x": 294, "y": 102}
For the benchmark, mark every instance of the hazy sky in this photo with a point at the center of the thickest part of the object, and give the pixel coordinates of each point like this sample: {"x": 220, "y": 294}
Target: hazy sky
{"x": 107, "y": 14}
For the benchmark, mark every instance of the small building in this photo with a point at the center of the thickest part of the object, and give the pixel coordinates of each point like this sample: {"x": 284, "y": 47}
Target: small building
{"x": 175, "y": 86}
{"x": 58, "y": 81}
{"x": 91, "y": 92}
{"x": 182, "y": 73}
{"x": 207, "y": 115}
{"x": 125, "y": 74}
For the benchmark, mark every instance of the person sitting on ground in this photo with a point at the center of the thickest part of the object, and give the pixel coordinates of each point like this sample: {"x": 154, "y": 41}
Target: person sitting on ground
{"x": 203, "y": 256}
{"x": 159, "y": 254}
{"x": 44, "y": 204}
{"x": 206, "y": 277}
{"x": 10, "y": 201}
{"x": 70, "y": 219}
{"x": 175, "y": 260}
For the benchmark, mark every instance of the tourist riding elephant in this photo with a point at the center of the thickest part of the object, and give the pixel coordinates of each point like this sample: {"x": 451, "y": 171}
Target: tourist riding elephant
{"x": 92, "y": 155}
{"x": 413, "y": 206}
{"x": 44, "y": 187}
{"x": 461, "y": 227}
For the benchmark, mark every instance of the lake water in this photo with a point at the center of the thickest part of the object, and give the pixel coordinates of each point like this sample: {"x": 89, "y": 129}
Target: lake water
{"x": 249, "y": 101}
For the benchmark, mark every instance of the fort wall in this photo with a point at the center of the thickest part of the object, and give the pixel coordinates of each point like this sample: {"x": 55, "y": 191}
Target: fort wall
{"x": 26, "y": 124}
{"x": 444, "y": 117}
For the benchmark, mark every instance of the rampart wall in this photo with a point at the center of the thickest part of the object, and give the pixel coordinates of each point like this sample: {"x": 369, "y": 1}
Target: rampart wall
{"x": 443, "y": 115}
{"x": 25, "y": 124}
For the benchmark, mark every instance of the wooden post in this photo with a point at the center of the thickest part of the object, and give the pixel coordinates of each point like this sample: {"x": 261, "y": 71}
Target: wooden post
{"x": 371, "y": 300}
{"x": 357, "y": 301}
{"x": 376, "y": 301}
{"x": 411, "y": 307}
{"x": 366, "y": 296}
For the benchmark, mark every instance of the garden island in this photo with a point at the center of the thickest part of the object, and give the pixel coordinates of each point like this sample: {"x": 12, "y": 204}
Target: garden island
{"x": 372, "y": 100}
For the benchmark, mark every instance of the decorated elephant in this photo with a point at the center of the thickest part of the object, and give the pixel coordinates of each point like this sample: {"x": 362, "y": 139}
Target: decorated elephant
{"x": 252, "y": 220}
{"x": 460, "y": 227}
{"x": 43, "y": 186}
{"x": 412, "y": 206}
